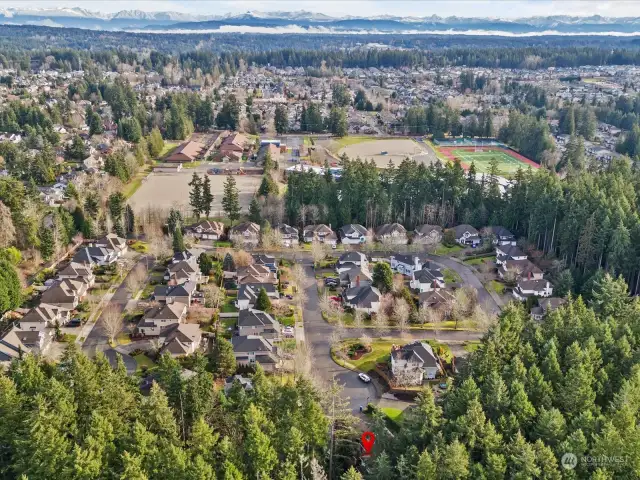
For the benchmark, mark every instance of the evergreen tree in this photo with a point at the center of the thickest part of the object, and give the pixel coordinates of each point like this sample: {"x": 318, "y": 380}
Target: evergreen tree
{"x": 281, "y": 119}
{"x": 205, "y": 263}
{"x": 196, "y": 195}
{"x": 263, "y": 302}
{"x": 383, "y": 277}
{"x": 206, "y": 196}
{"x": 178, "y": 241}
{"x": 255, "y": 215}
{"x": 231, "y": 200}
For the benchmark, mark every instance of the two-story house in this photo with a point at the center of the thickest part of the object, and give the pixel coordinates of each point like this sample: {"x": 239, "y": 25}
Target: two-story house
{"x": 466, "y": 235}
{"x": 413, "y": 363}
{"x": 245, "y": 233}
{"x": 353, "y": 234}
{"x": 252, "y": 349}
{"x": 257, "y": 322}
{"x": 64, "y": 294}
{"x": 157, "y": 319}
{"x": 44, "y": 316}
{"x": 182, "y": 293}
{"x": 206, "y": 230}
{"x": 392, "y": 233}
{"x": 509, "y": 252}
{"x": 182, "y": 339}
{"x": 502, "y": 236}
{"x": 406, "y": 264}
{"x": 427, "y": 234}
{"x": 78, "y": 271}
{"x": 248, "y": 294}
{"x": 427, "y": 279}
{"x": 265, "y": 260}
{"x": 364, "y": 298}
{"x": 288, "y": 234}
{"x": 184, "y": 271}
{"x": 356, "y": 258}
{"x": 319, "y": 233}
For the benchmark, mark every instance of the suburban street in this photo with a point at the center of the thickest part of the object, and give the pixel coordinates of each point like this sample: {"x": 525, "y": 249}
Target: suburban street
{"x": 97, "y": 340}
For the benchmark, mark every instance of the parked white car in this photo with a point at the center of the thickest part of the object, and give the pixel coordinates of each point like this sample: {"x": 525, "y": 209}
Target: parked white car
{"x": 364, "y": 377}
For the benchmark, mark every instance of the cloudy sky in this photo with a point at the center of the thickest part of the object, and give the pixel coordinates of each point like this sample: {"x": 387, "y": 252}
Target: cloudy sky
{"x": 461, "y": 8}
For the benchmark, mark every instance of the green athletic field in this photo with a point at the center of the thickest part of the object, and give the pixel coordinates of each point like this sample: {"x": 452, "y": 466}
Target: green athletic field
{"x": 507, "y": 165}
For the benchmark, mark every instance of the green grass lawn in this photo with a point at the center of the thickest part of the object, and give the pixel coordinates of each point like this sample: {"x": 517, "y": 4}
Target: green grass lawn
{"x": 444, "y": 250}
{"x": 68, "y": 338}
{"x": 380, "y": 353}
{"x": 168, "y": 148}
{"x": 472, "y": 345}
{"x": 496, "y": 287}
{"x": 451, "y": 276}
{"x": 123, "y": 339}
{"x": 507, "y": 165}
{"x": 394, "y": 414}
{"x": 140, "y": 247}
{"x": 222, "y": 244}
{"x": 143, "y": 361}
{"x": 480, "y": 261}
{"x": 228, "y": 306}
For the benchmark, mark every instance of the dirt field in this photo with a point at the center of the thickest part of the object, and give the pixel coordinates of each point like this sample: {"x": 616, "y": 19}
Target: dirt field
{"x": 166, "y": 190}
{"x": 395, "y": 150}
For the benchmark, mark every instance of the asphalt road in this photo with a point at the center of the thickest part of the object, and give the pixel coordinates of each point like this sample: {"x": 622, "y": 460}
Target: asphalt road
{"x": 97, "y": 340}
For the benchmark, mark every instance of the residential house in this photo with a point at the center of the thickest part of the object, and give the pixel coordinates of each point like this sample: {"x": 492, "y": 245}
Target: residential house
{"x": 319, "y": 233}
{"x": 190, "y": 253}
{"x": 233, "y": 146}
{"x": 257, "y": 322}
{"x": 17, "y": 342}
{"x": 181, "y": 339}
{"x": 502, "y": 236}
{"x": 252, "y": 349}
{"x": 509, "y": 252}
{"x": 182, "y": 293}
{"x": 288, "y": 234}
{"x": 113, "y": 242}
{"x": 436, "y": 299}
{"x": 545, "y": 306}
{"x": 363, "y": 298}
{"x": 353, "y": 234}
{"x": 64, "y": 294}
{"x": 187, "y": 152}
{"x": 248, "y": 294}
{"x": 352, "y": 275}
{"x": 405, "y": 264}
{"x": 413, "y": 363}
{"x": 532, "y": 288}
{"x": 245, "y": 233}
{"x": 427, "y": 234}
{"x": 78, "y": 271}
{"x": 206, "y": 230}
{"x": 466, "y": 235}
{"x": 157, "y": 319}
{"x": 268, "y": 261}
{"x": 392, "y": 233}
{"x": 521, "y": 268}
{"x": 43, "y": 316}
{"x": 184, "y": 271}
{"x": 256, "y": 274}
{"x": 355, "y": 258}
{"x": 427, "y": 279}
{"x": 244, "y": 382}
{"x": 95, "y": 256}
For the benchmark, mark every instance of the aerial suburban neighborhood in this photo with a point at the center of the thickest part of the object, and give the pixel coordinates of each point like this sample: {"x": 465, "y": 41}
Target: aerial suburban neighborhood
{"x": 284, "y": 245}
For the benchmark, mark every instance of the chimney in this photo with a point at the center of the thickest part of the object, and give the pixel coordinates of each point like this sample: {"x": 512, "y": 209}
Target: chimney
{"x": 529, "y": 275}
{"x": 358, "y": 281}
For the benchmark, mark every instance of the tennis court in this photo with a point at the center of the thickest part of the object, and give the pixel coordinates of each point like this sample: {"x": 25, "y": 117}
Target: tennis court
{"x": 508, "y": 161}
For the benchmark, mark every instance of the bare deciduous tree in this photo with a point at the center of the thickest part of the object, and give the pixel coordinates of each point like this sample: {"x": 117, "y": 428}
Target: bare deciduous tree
{"x": 136, "y": 279}
{"x": 7, "y": 232}
{"x": 401, "y": 313}
{"x": 111, "y": 322}
{"x": 398, "y": 282}
{"x": 318, "y": 251}
{"x": 213, "y": 295}
{"x": 358, "y": 318}
{"x": 242, "y": 258}
{"x": 271, "y": 240}
{"x": 297, "y": 276}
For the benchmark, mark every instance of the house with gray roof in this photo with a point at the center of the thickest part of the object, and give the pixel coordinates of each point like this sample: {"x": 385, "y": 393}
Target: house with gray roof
{"x": 245, "y": 233}
{"x": 182, "y": 293}
{"x": 428, "y": 279}
{"x": 364, "y": 298}
{"x": 466, "y": 235}
{"x": 181, "y": 339}
{"x": 257, "y": 322}
{"x": 288, "y": 234}
{"x": 392, "y": 233}
{"x": 351, "y": 258}
{"x": 18, "y": 342}
{"x": 413, "y": 363}
{"x": 252, "y": 349}
{"x": 501, "y": 235}
{"x": 353, "y": 234}
{"x": 44, "y": 316}
{"x": 427, "y": 234}
{"x": 248, "y": 294}
{"x": 157, "y": 319}
{"x": 319, "y": 233}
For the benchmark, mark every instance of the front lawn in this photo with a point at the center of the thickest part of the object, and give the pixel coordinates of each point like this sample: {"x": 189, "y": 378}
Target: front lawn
{"x": 228, "y": 305}
{"x": 143, "y": 361}
{"x": 222, "y": 244}
{"x": 167, "y": 148}
{"x": 140, "y": 247}
{"x": 444, "y": 250}
{"x": 68, "y": 338}
{"x": 394, "y": 414}
{"x": 480, "y": 261}
{"x": 496, "y": 287}
{"x": 123, "y": 339}
{"x": 451, "y": 276}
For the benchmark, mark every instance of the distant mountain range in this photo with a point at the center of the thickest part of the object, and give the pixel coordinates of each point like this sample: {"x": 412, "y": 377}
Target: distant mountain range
{"x": 310, "y": 22}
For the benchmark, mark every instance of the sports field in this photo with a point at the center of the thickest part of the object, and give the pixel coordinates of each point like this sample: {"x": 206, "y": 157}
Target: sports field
{"x": 508, "y": 161}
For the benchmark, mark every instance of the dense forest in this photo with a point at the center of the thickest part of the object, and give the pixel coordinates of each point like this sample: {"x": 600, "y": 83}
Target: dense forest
{"x": 75, "y": 47}
{"x": 531, "y": 393}
{"x": 588, "y": 220}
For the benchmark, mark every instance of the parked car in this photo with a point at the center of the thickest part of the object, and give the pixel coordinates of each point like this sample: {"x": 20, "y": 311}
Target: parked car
{"x": 331, "y": 281}
{"x": 74, "y": 322}
{"x": 288, "y": 332}
{"x": 289, "y": 296}
{"x": 364, "y": 377}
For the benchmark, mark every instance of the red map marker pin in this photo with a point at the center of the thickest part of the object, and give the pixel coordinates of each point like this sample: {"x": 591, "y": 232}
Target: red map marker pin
{"x": 368, "y": 439}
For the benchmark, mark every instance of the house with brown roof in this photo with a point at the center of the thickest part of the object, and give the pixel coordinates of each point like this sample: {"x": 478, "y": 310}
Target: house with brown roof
{"x": 206, "y": 230}
{"x": 181, "y": 339}
{"x": 17, "y": 342}
{"x": 392, "y": 233}
{"x": 44, "y": 316}
{"x": 234, "y": 145}
{"x": 157, "y": 319}
{"x": 113, "y": 242}
{"x": 184, "y": 271}
{"x": 78, "y": 271}
{"x": 186, "y": 152}
{"x": 256, "y": 274}
{"x": 64, "y": 294}
{"x": 245, "y": 233}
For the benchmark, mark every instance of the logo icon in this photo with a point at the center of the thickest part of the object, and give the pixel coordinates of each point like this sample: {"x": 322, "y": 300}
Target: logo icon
{"x": 368, "y": 439}
{"x": 569, "y": 461}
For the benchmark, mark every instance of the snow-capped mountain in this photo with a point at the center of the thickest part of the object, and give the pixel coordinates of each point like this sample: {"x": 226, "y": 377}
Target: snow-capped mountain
{"x": 311, "y": 21}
